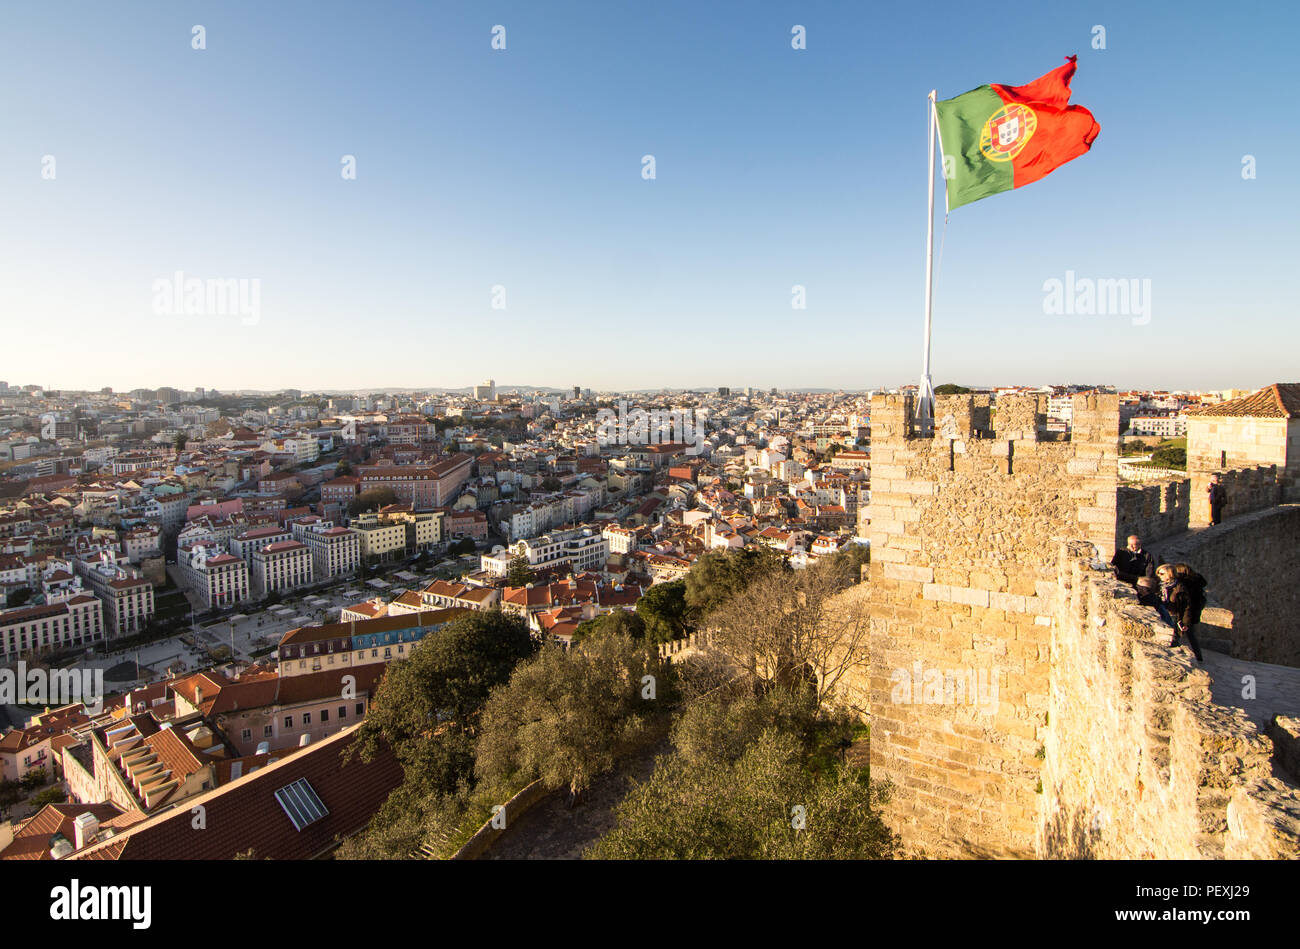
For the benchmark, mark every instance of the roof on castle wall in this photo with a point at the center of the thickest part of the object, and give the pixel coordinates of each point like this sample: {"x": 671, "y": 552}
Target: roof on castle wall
{"x": 1280, "y": 400}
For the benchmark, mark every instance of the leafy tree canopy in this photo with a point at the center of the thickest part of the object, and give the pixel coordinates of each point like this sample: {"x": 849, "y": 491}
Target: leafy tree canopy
{"x": 663, "y": 611}
{"x": 427, "y": 705}
{"x": 372, "y": 500}
{"x": 520, "y": 573}
{"x": 719, "y": 575}
{"x": 753, "y": 779}
{"x": 568, "y": 715}
{"x": 623, "y": 622}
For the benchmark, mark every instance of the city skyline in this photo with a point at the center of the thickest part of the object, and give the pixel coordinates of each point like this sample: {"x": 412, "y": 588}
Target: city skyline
{"x": 481, "y": 168}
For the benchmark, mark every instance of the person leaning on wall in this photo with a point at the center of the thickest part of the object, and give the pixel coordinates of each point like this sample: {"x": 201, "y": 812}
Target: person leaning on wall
{"x": 1133, "y": 562}
{"x": 1183, "y": 592}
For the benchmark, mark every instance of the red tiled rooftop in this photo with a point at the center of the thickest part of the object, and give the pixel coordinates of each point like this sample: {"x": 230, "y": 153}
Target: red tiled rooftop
{"x": 245, "y": 814}
{"x": 1280, "y": 400}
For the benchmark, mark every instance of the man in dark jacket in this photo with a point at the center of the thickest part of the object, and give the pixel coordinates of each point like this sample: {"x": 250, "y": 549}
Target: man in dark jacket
{"x": 1218, "y": 497}
{"x": 1133, "y": 562}
{"x": 1184, "y": 594}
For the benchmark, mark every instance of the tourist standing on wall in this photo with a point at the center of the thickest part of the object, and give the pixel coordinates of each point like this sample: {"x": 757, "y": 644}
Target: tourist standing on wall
{"x": 1184, "y": 594}
{"x": 1217, "y": 499}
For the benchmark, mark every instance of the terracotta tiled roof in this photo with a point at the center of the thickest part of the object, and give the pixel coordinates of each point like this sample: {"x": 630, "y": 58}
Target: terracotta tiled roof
{"x": 1280, "y": 400}
{"x": 383, "y": 624}
{"x": 318, "y": 686}
{"x": 245, "y": 813}
{"x": 32, "y": 840}
{"x": 175, "y": 752}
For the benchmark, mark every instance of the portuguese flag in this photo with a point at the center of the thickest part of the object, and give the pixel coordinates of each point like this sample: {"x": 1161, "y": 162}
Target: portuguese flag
{"x": 997, "y": 137}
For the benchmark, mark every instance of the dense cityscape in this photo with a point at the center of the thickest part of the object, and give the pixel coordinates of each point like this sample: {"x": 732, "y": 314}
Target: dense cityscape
{"x": 714, "y": 450}
{"x": 211, "y": 554}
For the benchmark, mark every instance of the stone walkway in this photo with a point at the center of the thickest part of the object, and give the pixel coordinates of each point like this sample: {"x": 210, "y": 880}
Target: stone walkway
{"x": 1277, "y": 688}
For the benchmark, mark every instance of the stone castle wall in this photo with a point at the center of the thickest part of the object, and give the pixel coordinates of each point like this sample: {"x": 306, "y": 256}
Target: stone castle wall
{"x": 1003, "y": 714}
{"x": 1246, "y": 489}
{"x": 1218, "y": 442}
{"x": 965, "y": 529}
{"x": 1155, "y": 510}
{"x": 1251, "y": 565}
{"x": 1139, "y": 762}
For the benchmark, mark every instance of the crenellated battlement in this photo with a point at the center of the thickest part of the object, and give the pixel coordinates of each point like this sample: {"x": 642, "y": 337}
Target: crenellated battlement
{"x": 965, "y": 584}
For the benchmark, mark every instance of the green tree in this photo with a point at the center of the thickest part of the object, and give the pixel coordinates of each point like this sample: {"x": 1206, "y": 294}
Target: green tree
{"x": 568, "y": 715}
{"x": 551, "y": 484}
{"x": 1170, "y": 454}
{"x": 663, "y": 611}
{"x": 33, "y": 779}
{"x": 463, "y": 546}
{"x": 850, "y": 558}
{"x": 951, "y": 388}
{"x": 623, "y": 622}
{"x": 520, "y": 574}
{"x": 426, "y": 707}
{"x": 343, "y": 469}
{"x": 719, "y": 575}
{"x": 410, "y": 820}
{"x": 55, "y": 795}
{"x": 766, "y": 803}
{"x": 11, "y": 792}
{"x": 180, "y": 443}
{"x": 372, "y": 500}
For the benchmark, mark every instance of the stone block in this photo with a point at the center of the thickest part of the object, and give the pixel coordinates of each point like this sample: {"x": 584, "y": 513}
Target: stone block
{"x": 896, "y": 571}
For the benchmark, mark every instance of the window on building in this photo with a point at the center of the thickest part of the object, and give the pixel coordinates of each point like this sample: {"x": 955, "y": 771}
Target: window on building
{"x": 247, "y": 734}
{"x": 361, "y": 709}
{"x": 288, "y": 721}
{"x": 267, "y": 730}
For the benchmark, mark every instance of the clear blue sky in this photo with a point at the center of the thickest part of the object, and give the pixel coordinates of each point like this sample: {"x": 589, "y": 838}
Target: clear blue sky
{"x": 522, "y": 168}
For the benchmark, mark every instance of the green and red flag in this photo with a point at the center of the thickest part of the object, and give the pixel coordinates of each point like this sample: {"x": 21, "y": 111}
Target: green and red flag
{"x": 998, "y": 137}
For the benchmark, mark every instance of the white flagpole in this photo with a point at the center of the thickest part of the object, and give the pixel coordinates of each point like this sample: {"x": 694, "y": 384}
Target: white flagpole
{"x": 925, "y": 406}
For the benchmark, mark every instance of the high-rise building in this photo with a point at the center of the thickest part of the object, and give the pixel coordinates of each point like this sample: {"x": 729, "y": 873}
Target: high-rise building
{"x": 577, "y": 392}
{"x": 486, "y": 392}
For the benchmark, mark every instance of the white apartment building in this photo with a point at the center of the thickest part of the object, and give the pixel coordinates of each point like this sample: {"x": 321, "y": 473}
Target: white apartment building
{"x": 1061, "y": 409}
{"x": 582, "y": 549}
{"x": 281, "y": 566}
{"x": 77, "y": 621}
{"x": 378, "y": 539}
{"x": 127, "y": 596}
{"x": 220, "y": 579}
{"x": 99, "y": 456}
{"x": 1165, "y": 426}
{"x": 142, "y": 542}
{"x": 335, "y": 551}
{"x": 168, "y": 509}
{"x": 249, "y": 541}
{"x": 304, "y": 448}
{"x": 620, "y": 540}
